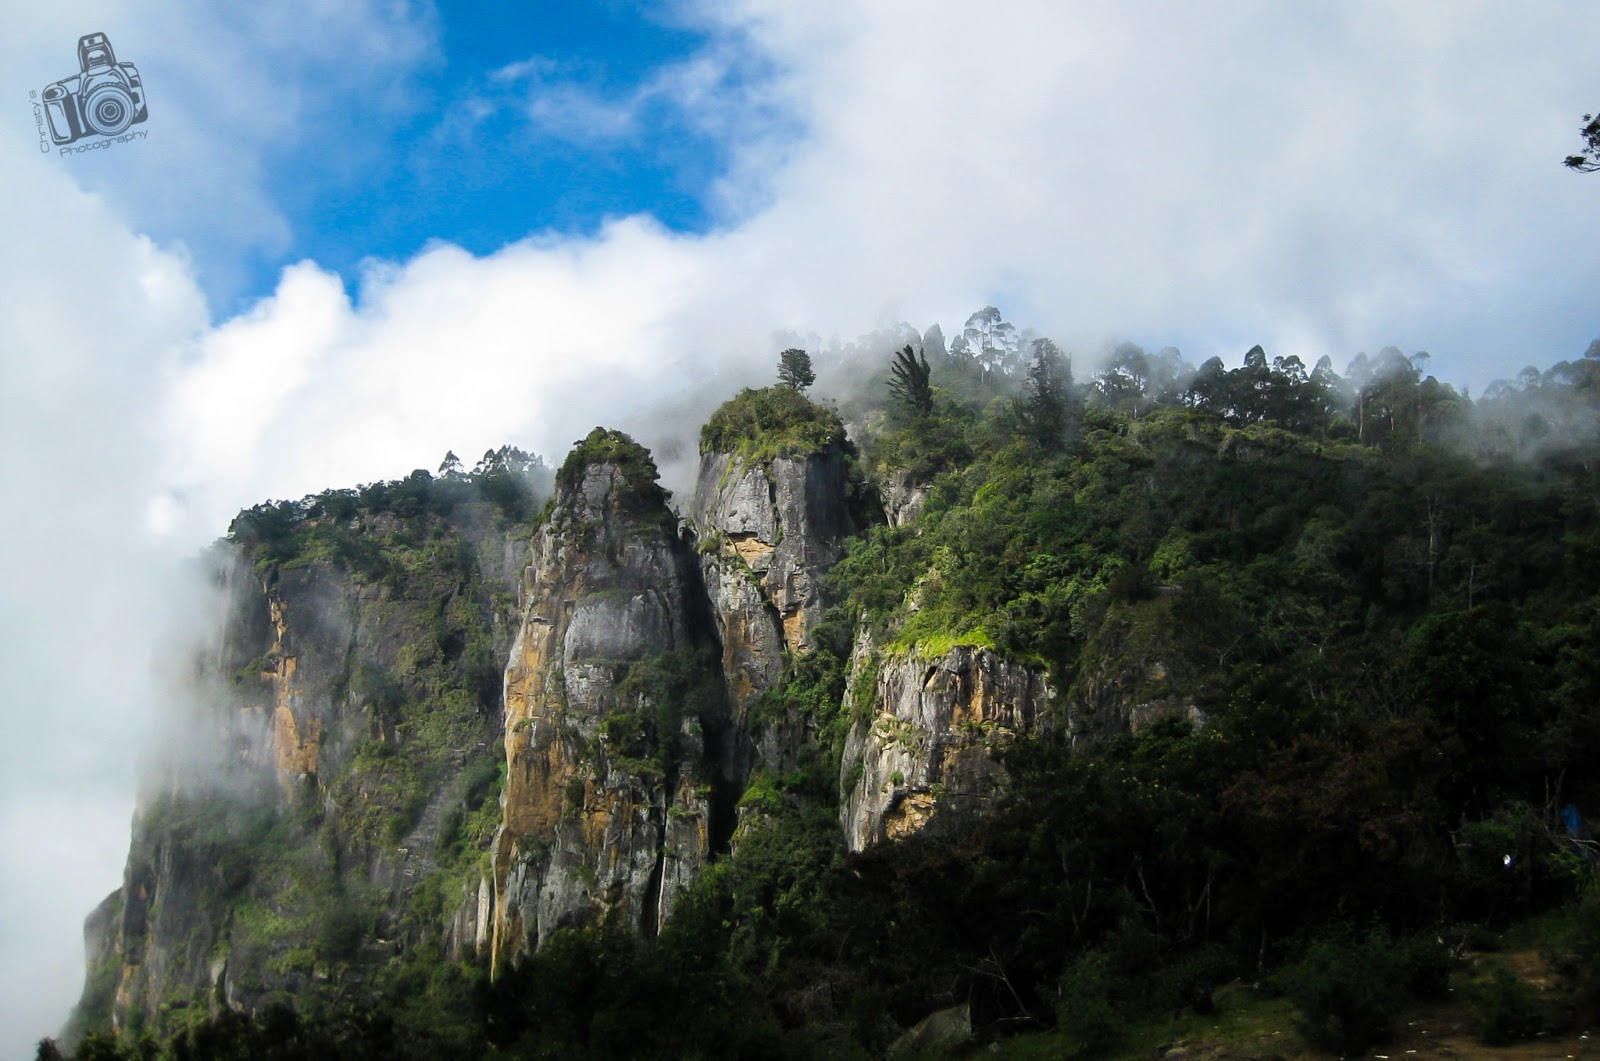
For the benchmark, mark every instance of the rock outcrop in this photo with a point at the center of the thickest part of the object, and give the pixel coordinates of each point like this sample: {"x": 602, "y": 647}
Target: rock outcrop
{"x": 610, "y": 694}
{"x": 336, "y": 751}
{"x": 343, "y": 801}
{"x": 903, "y": 497}
{"x": 769, "y": 531}
{"x": 922, "y": 753}
{"x": 1142, "y": 664}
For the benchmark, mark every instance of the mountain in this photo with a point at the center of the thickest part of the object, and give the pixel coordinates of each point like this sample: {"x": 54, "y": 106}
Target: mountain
{"x": 1019, "y": 702}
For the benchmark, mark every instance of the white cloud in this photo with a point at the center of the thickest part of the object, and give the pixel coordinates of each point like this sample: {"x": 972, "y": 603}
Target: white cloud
{"x": 232, "y": 89}
{"x": 723, "y": 91}
{"x": 1320, "y": 178}
{"x": 91, "y": 321}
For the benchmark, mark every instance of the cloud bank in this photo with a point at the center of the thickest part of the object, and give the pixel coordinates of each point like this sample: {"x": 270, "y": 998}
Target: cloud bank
{"x": 1324, "y": 178}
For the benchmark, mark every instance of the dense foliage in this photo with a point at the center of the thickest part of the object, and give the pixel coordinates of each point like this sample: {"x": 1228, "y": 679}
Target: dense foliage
{"x": 1353, "y": 618}
{"x": 331, "y": 526}
{"x": 758, "y": 425}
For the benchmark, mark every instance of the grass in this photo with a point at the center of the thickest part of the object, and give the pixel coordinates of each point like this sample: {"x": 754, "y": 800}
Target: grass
{"x": 1248, "y": 1024}
{"x": 931, "y": 645}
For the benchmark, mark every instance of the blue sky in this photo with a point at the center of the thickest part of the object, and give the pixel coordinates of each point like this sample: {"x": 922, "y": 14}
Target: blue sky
{"x": 361, "y": 233}
{"x": 480, "y": 126}
{"x": 459, "y": 158}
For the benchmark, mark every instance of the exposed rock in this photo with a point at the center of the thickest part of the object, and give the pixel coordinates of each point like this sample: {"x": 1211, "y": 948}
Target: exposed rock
{"x": 785, "y": 520}
{"x": 307, "y": 785}
{"x": 608, "y": 807}
{"x": 938, "y": 1031}
{"x": 922, "y": 752}
{"x": 903, "y": 498}
{"x": 769, "y": 532}
{"x": 1138, "y": 667}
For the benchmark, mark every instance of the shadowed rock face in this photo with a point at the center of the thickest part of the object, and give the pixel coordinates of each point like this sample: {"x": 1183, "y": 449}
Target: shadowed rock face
{"x": 608, "y": 805}
{"x": 276, "y": 797}
{"x": 923, "y": 753}
{"x": 903, "y": 496}
{"x": 769, "y": 532}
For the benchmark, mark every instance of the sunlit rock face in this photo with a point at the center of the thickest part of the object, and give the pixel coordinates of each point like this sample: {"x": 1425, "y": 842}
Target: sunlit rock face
{"x": 768, "y": 533}
{"x": 610, "y": 802}
{"x": 923, "y": 751}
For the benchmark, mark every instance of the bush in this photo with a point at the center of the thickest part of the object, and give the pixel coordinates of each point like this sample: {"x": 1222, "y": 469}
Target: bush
{"x": 759, "y": 425}
{"x": 1209, "y": 966}
{"x": 1084, "y": 1007}
{"x": 1348, "y": 988}
{"x": 1506, "y": 1008}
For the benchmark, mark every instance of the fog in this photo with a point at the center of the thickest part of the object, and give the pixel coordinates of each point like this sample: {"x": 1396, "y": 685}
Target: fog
{"x": 1321, "y": 178}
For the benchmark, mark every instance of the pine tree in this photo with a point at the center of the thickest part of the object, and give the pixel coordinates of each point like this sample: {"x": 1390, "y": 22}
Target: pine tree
{"x": 1047, "y": 405}
{"x": 794, "y": 369}
{"x": 908, "y": 380}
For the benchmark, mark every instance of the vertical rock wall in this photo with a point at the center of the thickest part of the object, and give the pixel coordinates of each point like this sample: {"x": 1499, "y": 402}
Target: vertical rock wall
{"x": 923, "y": 752}
{"x": 317, "y": 777}
{"x": 769, "y": 532}
{"x": 608, "y": 806}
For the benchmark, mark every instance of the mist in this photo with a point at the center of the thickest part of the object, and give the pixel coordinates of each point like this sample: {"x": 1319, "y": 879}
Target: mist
{"x": 1322, "y": 180}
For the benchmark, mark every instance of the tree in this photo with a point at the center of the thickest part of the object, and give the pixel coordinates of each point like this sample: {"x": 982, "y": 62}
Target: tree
{"x": 1049, "y": 392}
{"x": 794, "y": 369}
{"x": 908, "y": 380}
{"x": 1589, "y": 160}
{"x": 991, "y": 341}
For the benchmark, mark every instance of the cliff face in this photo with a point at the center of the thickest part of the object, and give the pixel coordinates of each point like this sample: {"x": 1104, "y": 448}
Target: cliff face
{"x": 769, "y": 531}
{"x": 425, "y": 730}
{"x": 922, "y": 753}
{"x": 610, "y": 694}
{"x": 320, "y": 813}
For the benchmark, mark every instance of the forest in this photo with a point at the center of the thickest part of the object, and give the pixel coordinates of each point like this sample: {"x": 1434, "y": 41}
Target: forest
{"x": 1325, "y": 648}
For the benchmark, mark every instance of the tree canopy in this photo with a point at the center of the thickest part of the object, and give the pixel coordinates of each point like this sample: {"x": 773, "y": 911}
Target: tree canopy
{"x": 909, "y": 380}
{"x": 794, "y": 369}
{"x": 1588, "y": 160}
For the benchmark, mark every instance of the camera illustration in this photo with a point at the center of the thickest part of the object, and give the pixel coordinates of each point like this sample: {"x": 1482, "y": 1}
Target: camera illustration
{"x": 104, "y": 98}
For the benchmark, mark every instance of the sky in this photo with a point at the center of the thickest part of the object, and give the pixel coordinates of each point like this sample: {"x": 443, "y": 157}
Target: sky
{"x": 349, "y": 236}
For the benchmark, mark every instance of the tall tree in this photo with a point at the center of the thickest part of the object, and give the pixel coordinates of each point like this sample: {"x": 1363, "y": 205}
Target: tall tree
{"x": 990, "y": 340}
{"x": 1588, "y": 161}
{"x": 794, "y": 369}
{"x": 1046, "y": 407}
{"x": 908, "y": 380}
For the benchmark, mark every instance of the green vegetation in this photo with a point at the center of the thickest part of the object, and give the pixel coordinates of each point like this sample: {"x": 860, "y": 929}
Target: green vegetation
{"x": 758, "y": 425}
{"x": 337, "y": 526}
{"x": 795, "y": 371}
{"x": 1354, "y": 617}
{"x": 909, "y": 381}
{"x": 638, "y": 490}
{"x": 1589, "y": 160}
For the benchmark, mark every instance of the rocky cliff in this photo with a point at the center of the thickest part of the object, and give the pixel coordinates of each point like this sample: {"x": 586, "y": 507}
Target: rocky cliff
{"x": 923, "y": 751}
{"x": 610, "y": 801}
{"x": 433, "y": 728}
{"x": 319, "y": 817}
{"x": 769, "y": 531}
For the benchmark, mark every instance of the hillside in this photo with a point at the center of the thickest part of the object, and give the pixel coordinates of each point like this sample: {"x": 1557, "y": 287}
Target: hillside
{"x": 1041, "y": 704}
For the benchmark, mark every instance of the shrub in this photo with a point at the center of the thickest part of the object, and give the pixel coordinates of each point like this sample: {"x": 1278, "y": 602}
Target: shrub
{"x": 1505, "y": 1007}
{"x": 1084, "y": 1007}
{"x": 1348, "y": 988}
{"x": 759, "y": 425}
